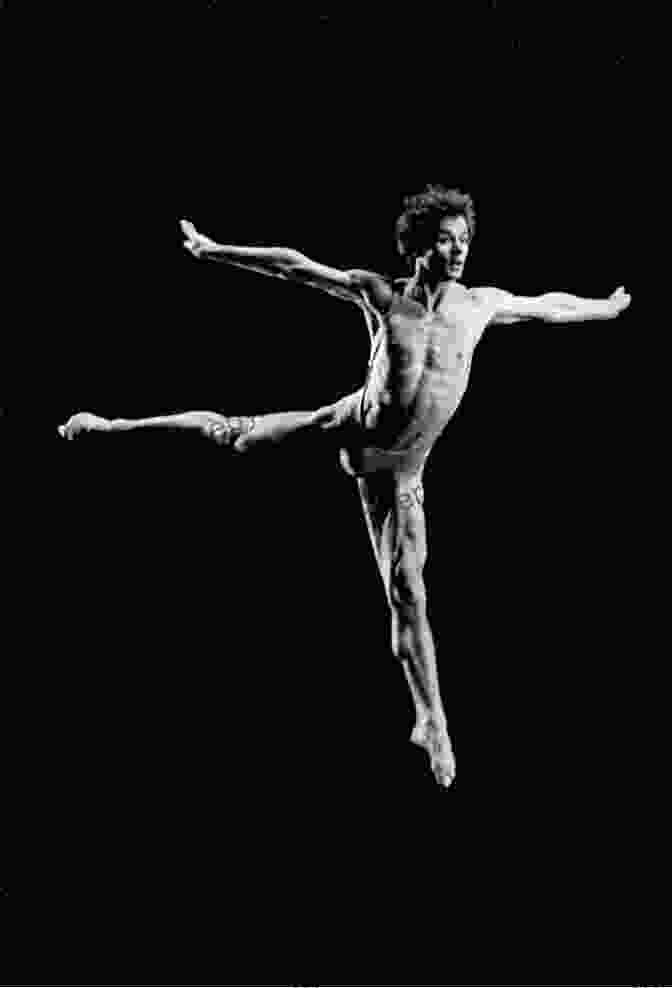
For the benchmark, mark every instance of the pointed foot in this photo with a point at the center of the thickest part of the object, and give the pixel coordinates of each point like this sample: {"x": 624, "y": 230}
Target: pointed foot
{"x": 444, "y": 772}
{"x": 434, "y": 739}
{"x": 83, "y": 421}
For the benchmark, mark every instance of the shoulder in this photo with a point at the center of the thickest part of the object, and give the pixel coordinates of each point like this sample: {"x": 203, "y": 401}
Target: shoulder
{"x": 376, "y": 286}
{"x": 491, "y": 302}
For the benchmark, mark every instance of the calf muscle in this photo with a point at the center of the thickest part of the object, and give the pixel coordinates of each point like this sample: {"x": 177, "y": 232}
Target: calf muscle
{"x": 182, "y": 420}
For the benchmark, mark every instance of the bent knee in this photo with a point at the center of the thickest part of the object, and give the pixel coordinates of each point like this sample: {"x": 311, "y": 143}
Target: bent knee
{"x": 324, "y": 418}
{"x": 408, "y": 596}
{"x": 408, "y": 606}
{"x": 339, "y": 415}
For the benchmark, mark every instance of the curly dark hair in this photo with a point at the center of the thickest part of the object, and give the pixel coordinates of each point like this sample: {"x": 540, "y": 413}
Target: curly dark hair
{"x": 417, "y": 226}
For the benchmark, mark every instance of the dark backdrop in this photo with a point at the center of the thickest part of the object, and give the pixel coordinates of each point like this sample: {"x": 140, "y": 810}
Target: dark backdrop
{"x": 229, "y": 636}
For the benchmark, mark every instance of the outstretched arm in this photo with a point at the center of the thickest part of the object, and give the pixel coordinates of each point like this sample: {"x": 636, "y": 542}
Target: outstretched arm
{"x": 283, "y": 262}
{"x": 556, "y": 307}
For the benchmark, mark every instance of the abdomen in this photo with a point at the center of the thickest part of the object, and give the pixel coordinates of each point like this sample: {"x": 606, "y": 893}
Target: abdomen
{"x": 392, "y": 383}
{"x": 406, "y": 399}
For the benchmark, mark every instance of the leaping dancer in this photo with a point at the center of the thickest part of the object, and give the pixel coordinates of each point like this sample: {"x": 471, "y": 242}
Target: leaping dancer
{"x": 423, "y": 330}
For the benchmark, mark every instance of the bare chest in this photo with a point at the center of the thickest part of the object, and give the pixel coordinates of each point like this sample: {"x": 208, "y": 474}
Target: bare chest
{"x": 437, "y": 344}
{"x": 419, "y": 369}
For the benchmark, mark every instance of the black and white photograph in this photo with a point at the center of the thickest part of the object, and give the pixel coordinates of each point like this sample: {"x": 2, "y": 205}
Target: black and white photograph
{"x": 336, "y": 406}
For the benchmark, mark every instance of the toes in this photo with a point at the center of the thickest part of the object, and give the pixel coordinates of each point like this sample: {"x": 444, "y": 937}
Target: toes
{"x": 70, "y": 429}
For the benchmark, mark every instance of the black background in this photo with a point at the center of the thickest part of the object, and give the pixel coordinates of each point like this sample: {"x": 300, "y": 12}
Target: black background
{"x": 227, "y": 662}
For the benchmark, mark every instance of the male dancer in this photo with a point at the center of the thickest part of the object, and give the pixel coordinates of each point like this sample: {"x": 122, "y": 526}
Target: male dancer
{"x": 423, "y": 332}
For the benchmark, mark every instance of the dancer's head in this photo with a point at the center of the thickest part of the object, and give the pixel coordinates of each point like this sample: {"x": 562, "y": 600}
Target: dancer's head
{"x": 436, "y": 230}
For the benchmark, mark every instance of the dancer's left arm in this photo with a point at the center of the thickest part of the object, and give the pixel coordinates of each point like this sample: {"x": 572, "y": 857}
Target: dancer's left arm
{"x": 556, "y": 307}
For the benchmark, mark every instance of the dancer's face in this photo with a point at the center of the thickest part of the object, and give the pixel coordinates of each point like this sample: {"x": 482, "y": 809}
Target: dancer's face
{"x": 451, "y": 247}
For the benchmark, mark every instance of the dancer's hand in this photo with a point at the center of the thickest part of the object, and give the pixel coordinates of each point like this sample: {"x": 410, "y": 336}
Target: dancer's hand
{"x": 618, "y": 301}
{"x": 195, "y": 243}
{"x": 84, "y": 420}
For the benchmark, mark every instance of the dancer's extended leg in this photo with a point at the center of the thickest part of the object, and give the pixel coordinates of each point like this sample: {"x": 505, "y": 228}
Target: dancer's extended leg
{"x": 239, "y": 431}
{"x": 242, "y": 432}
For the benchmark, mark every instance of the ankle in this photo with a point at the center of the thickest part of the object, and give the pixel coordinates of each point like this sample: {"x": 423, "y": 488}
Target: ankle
{"x": 430, "y": 725}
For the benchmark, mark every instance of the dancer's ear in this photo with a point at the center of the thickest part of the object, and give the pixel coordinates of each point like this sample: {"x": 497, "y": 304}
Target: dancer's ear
{"x": 422, "y": 262}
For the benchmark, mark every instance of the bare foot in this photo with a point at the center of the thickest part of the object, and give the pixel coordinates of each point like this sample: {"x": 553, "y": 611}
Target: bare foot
{"x": 443, "y": 767}
{"x": 434, "y": 739}
{"x": 83, "y": 420}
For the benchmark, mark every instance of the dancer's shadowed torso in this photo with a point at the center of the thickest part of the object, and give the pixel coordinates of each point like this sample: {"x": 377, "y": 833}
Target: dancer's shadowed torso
{"x": 417, "y": 376}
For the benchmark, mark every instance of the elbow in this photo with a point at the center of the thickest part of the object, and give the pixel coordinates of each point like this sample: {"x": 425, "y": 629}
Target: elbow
{"x": 558, "y": 318}
{"x": 560, "y": 314}
{"x": 289, "y": 262}
{"x": 287, "y": 255}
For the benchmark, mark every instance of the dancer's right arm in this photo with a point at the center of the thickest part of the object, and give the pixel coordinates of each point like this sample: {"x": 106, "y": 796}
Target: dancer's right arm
{"x": 284, "y": 262}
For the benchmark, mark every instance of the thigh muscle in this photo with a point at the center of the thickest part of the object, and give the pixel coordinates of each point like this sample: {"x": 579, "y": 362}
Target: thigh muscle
{"x": 395, "y": 519}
